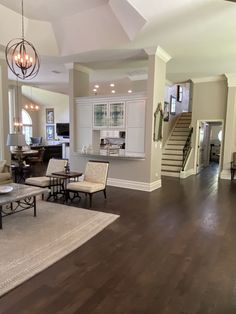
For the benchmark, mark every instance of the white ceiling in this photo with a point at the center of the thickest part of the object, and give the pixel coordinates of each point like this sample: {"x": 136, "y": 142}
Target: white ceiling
{"x": 110, "y": 36}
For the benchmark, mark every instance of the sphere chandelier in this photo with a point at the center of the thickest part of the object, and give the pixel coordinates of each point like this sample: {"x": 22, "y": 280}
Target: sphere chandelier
{"x": 21, "y": 56}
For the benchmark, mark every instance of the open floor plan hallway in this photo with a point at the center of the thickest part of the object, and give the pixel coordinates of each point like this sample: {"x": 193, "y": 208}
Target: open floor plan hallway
{"x": 171, "y": 251}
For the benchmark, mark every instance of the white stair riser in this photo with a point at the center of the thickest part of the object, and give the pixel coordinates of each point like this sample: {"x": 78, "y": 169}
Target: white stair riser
{"x": 172, "y": 162}
{"x": 174, "y": 142}
{"x": 178, "y": 137}
{"x": 171, "y": 168}
{"x": 174, "y": 147}
{"x": 178, "y": 130}
{"x": 170, "y": 152}
{"x": 172, "y": 157}
{"x": 170, "y": 174}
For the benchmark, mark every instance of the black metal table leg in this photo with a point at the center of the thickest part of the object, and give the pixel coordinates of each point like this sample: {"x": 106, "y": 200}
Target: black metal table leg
{"x": 35, "y": 214}
{"x": 0, "y": 216}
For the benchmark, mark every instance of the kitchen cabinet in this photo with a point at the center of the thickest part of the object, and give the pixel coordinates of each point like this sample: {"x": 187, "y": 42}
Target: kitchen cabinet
{"x": 96, "y": 115}
{"x": 109, "y": 115}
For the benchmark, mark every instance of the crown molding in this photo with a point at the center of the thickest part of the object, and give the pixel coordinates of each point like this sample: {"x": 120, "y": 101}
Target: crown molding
{"x": 77, "y": 67}
{"x": 158, "y": 51}
{"x": 231, "y": 79}
{"x": 216, "y": 78}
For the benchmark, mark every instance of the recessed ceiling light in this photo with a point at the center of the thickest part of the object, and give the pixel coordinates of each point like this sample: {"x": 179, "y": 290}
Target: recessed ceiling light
{"x": 112, "y": 84}
{"x": 96, "y": 86}
{"x": 130, "y": 91}
{"x": 94, "y": 90}
{"x": 113, "y": 91}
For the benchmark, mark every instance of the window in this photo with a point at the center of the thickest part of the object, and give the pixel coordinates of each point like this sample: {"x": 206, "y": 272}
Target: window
{"x": 27, "y": 126}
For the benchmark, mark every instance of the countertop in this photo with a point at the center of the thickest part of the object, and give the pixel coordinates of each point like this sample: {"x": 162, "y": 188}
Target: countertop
{"x": 123, "y": 155}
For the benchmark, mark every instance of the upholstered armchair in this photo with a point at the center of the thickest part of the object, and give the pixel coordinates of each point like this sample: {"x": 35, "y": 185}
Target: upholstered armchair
{"x": 233, "y": 166}
{"x": 54, "y": 165}
{"x": 95, "y": 179}
{"x": 5, "y": 173}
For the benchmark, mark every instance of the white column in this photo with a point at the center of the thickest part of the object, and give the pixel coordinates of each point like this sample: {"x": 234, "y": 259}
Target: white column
{"x": 4, "y": 111}
{"x": 155, "y": 93}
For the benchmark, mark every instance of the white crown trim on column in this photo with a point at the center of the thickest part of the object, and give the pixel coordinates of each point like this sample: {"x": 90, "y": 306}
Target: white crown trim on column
{"x": 158, "y": 51}
{"x": 216, "y": 78}
{"x": 231, "y": 79}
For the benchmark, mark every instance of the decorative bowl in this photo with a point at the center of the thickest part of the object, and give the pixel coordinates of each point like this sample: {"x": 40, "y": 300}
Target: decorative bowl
{"x": 5, "y": 189}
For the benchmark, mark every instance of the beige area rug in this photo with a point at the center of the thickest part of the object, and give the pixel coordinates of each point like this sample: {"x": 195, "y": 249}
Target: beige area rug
{"x": 30, "y": 244}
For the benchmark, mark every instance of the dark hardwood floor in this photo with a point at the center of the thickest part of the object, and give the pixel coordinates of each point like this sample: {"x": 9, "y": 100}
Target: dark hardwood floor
{"x": 171, "y": 251}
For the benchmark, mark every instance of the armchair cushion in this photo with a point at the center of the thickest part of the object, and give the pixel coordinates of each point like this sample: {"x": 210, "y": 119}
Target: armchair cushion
{"x": 2, "y": 165}
{"x": 38, "y": 181}
{"x": 85, "y": 186}
{"x": 4, "y": 176}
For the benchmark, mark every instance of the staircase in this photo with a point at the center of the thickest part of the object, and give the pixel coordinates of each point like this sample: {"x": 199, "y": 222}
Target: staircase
{"x": 172, "y": 156}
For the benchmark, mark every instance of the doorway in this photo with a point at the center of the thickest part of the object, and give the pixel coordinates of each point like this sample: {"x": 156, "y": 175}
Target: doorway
{"x": 208, "y": 144}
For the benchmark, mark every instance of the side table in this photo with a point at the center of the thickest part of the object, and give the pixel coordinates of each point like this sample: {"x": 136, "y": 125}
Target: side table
{"x": 63, "y": 179}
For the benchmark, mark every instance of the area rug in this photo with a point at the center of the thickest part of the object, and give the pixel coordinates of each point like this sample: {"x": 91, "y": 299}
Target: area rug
{"x": 30, "y": 244}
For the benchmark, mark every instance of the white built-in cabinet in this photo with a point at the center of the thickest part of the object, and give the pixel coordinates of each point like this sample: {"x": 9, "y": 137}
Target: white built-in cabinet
{"x": 125, "y": 113}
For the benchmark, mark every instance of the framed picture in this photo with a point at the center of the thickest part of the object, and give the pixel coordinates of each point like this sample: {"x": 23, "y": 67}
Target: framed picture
{"x": 50, "y": 132}
{"x": 166, "y": 113}
{"x": 49, "y": 116}
{"x": 172, "y": 104}
{"x": 179, "y": 93}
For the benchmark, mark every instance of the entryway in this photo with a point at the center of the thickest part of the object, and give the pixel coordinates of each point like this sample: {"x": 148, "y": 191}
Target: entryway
{"x": 208, "y": 144}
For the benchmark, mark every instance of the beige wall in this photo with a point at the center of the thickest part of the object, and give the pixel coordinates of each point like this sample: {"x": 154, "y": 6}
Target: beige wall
{"x": 208, "y": 103}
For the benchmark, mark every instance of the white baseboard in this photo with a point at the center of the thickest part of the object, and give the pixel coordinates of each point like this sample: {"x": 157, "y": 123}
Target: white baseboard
{"x": 225, "y": 174}
{"x": 186, "y": 173}
{"x": 134, "y": 185}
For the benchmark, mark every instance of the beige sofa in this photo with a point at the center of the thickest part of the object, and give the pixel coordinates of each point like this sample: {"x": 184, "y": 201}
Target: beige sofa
{"x": 5, "y": 174}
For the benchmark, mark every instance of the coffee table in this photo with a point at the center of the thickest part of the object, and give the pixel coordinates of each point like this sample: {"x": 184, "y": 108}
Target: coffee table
{"x": 22, "y": 197}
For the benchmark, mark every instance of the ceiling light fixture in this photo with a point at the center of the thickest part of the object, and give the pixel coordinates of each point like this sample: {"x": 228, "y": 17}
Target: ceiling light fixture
{"x": 130, "y": 91}
{"x": 113, "y": 91}
{"x": 112, "y": 85}
{"x": 21, "y": 56}
{"x": 96, "y": 86}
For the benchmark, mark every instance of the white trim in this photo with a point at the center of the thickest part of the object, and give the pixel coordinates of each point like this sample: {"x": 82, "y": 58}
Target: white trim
{"x": 134, "y": 185}
{"x": 186, "y": 173}
{"x": 231, "y": 79}
{"x": 158, "y": 51}
{"x": 225, "y": 174}
{"x": 169, "y": 83}
{"x": 121, "y": 97}
{"x": 197, "y": 138}
{"x": 161, "y": 53}
{"x": 216, "y": 78}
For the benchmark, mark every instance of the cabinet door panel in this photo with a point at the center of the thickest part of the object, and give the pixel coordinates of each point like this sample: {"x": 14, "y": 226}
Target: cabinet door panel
{"x": 135, "y": 113}
{"x": 117, "y": 115}
{"x": 100, "y": 115}
{"x": 135, "y": 140}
